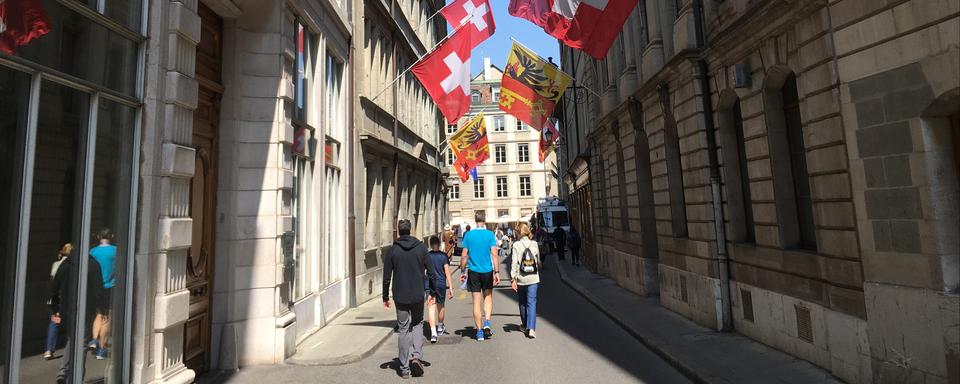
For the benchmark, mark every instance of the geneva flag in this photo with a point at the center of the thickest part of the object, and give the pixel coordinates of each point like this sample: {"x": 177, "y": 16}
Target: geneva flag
{"x": 531, "y": 87}
{"x": 470, "y": 146}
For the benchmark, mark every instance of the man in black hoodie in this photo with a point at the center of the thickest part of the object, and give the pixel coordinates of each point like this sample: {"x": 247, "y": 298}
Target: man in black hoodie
{"x": 405, "y": 263}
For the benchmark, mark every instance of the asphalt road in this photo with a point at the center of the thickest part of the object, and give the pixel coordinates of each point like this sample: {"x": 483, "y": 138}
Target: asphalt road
{"x": 575, "y": 344}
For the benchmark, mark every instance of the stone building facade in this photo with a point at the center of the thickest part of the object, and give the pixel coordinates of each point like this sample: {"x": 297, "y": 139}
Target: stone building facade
{"x": 214, "y": 144}
{"x": 815, "y": 142}
{"x": 513, "y": 178}
{"x": 397, "y": 166}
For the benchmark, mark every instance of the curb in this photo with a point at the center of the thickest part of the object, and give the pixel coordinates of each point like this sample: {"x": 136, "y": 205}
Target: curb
{"x": 685, "y": 369}
{"x": 349, "y": 359}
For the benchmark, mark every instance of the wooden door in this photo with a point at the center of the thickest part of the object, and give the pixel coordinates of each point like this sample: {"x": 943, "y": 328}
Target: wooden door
{"x": 203, "y": 194}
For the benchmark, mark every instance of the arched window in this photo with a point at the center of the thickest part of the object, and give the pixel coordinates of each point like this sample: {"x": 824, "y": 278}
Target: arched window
{"x": 798, "y": 165}
{"x": 736, "y": 177}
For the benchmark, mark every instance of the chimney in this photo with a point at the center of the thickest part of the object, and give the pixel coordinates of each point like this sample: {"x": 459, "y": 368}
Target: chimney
{"x": 487, "y": 69}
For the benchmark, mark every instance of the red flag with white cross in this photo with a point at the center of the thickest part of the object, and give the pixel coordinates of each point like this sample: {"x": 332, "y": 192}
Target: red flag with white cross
{"x": 445, "y": 73}
{"x": 588, "y": 25}
{"x": 475, "y": 12}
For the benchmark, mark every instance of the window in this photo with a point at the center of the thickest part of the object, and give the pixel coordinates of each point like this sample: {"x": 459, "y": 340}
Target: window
{"x": 302, "y": 82}
{"x": 496, "y": 96}
{"x": 478, "y": 192}
{"x": 733, "y": 147}
{"x": 525, "y": 188}
{"x": 455, "y": 192}
{"x": 521, "y": 125}
{"x": 523, "y": 153}
{"x": 450, "y": 156}
{"x": 798, "y": 165}
{"x": 502, "y": 187}
{"x": 671, "y": 144}
{"x": 451, "y": 129}
{"x": 503, "y": 212}
{"x": 500, "y": 153}
{"x": 475, "y": 97}
{"x": 498, "y": 124}
{"x": 335, "y": 100}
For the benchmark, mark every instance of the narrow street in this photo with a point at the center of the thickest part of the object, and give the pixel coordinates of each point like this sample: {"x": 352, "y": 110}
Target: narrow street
{"x": 576, "y": 344}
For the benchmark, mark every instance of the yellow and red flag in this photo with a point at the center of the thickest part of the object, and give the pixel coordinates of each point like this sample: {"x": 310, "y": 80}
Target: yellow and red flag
{"x": 470, "y": 146}
{"x": 531, "y": 87}
{"x": 548, "y": 138}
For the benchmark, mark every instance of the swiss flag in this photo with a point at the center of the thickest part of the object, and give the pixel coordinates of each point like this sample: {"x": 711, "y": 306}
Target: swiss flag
{"x": 587, "y": 25}
{"x": 475, "y": 12}
{"x": 445, "y": 73}
{"x": 20, "y": 22}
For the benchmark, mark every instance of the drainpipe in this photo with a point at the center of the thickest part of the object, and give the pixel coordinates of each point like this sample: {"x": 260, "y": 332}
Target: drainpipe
{"x": 725, "y": 318}
{"x": 396, "y": 128}
{"x": 351, "y": 180}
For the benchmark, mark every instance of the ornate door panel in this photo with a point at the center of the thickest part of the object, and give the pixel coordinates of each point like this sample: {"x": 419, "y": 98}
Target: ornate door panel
{"x": 203, "y": 194}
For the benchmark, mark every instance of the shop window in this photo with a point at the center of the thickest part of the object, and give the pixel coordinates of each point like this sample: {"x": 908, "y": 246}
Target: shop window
{"x": 88, "y": 47}
{"x": 14, "y": 110}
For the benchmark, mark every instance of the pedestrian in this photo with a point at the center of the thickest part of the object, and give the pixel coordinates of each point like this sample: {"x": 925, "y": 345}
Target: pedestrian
{"x": 560, "y": 239}
{"x": 449, "y": 241}
{"x": 63, "y": 306}
{"x": 104, "y": 254}
{"x": 405, "y": 264}
{"x": 53, "y": 327}
{"x": 525, "y": 279}
{"x": 480, "y": 264}
{"x": 436, "y": 303}
{"x": 574, "y": 242}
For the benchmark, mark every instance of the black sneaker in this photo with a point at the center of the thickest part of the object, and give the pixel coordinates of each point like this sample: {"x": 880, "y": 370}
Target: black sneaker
{"x": 416, "y": 367}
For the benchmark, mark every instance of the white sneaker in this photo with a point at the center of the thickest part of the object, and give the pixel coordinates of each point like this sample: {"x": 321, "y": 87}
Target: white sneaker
{"x": 532, "y": 334}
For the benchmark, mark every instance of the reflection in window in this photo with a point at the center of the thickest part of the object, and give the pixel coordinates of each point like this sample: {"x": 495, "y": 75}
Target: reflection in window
{"x": 14, "y": 91}
{"x": 78, "y": 46}
{"x": 55, "y": 222}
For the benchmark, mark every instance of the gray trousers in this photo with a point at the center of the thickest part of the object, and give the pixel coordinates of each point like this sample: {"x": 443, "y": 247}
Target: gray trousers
{"x": 410, "y": 324}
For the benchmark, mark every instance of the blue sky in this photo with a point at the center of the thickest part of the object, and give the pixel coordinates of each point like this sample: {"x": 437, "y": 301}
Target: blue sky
{"x": 498, "y": 46}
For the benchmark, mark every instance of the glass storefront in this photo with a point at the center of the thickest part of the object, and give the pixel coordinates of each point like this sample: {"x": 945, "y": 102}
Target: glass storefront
{"x": 68, "y": 135}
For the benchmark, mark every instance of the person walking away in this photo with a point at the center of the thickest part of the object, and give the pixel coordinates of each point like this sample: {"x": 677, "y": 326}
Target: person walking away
{"x": 505, "y": 243}
{"x": 574, "y": 239}
{"x": 105, "y": 254}
{"x": 479, "y": 262}
{"x": 63, "y": 305}
{"x": 560, "y": 239}
{"x": 449, "y": 241}
{"x": 436, "y": 303}
{"x": 53, "y": 327}
{"x": 404, "y": 265}
{"x": 525, "y": 279}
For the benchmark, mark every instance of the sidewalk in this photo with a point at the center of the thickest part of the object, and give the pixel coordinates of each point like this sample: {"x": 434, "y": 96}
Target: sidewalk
{"x": 352, "y": 336}
{"x": 704, "y": 355}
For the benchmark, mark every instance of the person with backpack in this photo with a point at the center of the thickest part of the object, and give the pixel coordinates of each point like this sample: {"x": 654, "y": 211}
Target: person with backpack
{"x": 436, "y": 302}
{"x": 574, "y": 243}
{"x": 405, "y": 264}
{"x": 525, "y": 279}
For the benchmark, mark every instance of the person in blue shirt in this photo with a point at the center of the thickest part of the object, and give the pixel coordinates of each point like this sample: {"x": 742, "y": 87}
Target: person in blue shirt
{"x": 105, "y": 254}
{"x": 480, "y": 261}
{"x": 436, "y": 303}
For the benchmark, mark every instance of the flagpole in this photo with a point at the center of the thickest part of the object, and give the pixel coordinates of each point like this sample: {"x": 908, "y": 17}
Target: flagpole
{"x": 418, "y": 60}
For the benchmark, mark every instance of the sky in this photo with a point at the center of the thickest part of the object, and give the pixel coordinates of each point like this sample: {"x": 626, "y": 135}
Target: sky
{"x": 498, "y": 46}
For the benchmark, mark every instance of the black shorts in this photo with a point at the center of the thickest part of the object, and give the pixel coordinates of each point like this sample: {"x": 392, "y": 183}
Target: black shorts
{"x": 441, "y": 296}
{"x": 478, "y": 282}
